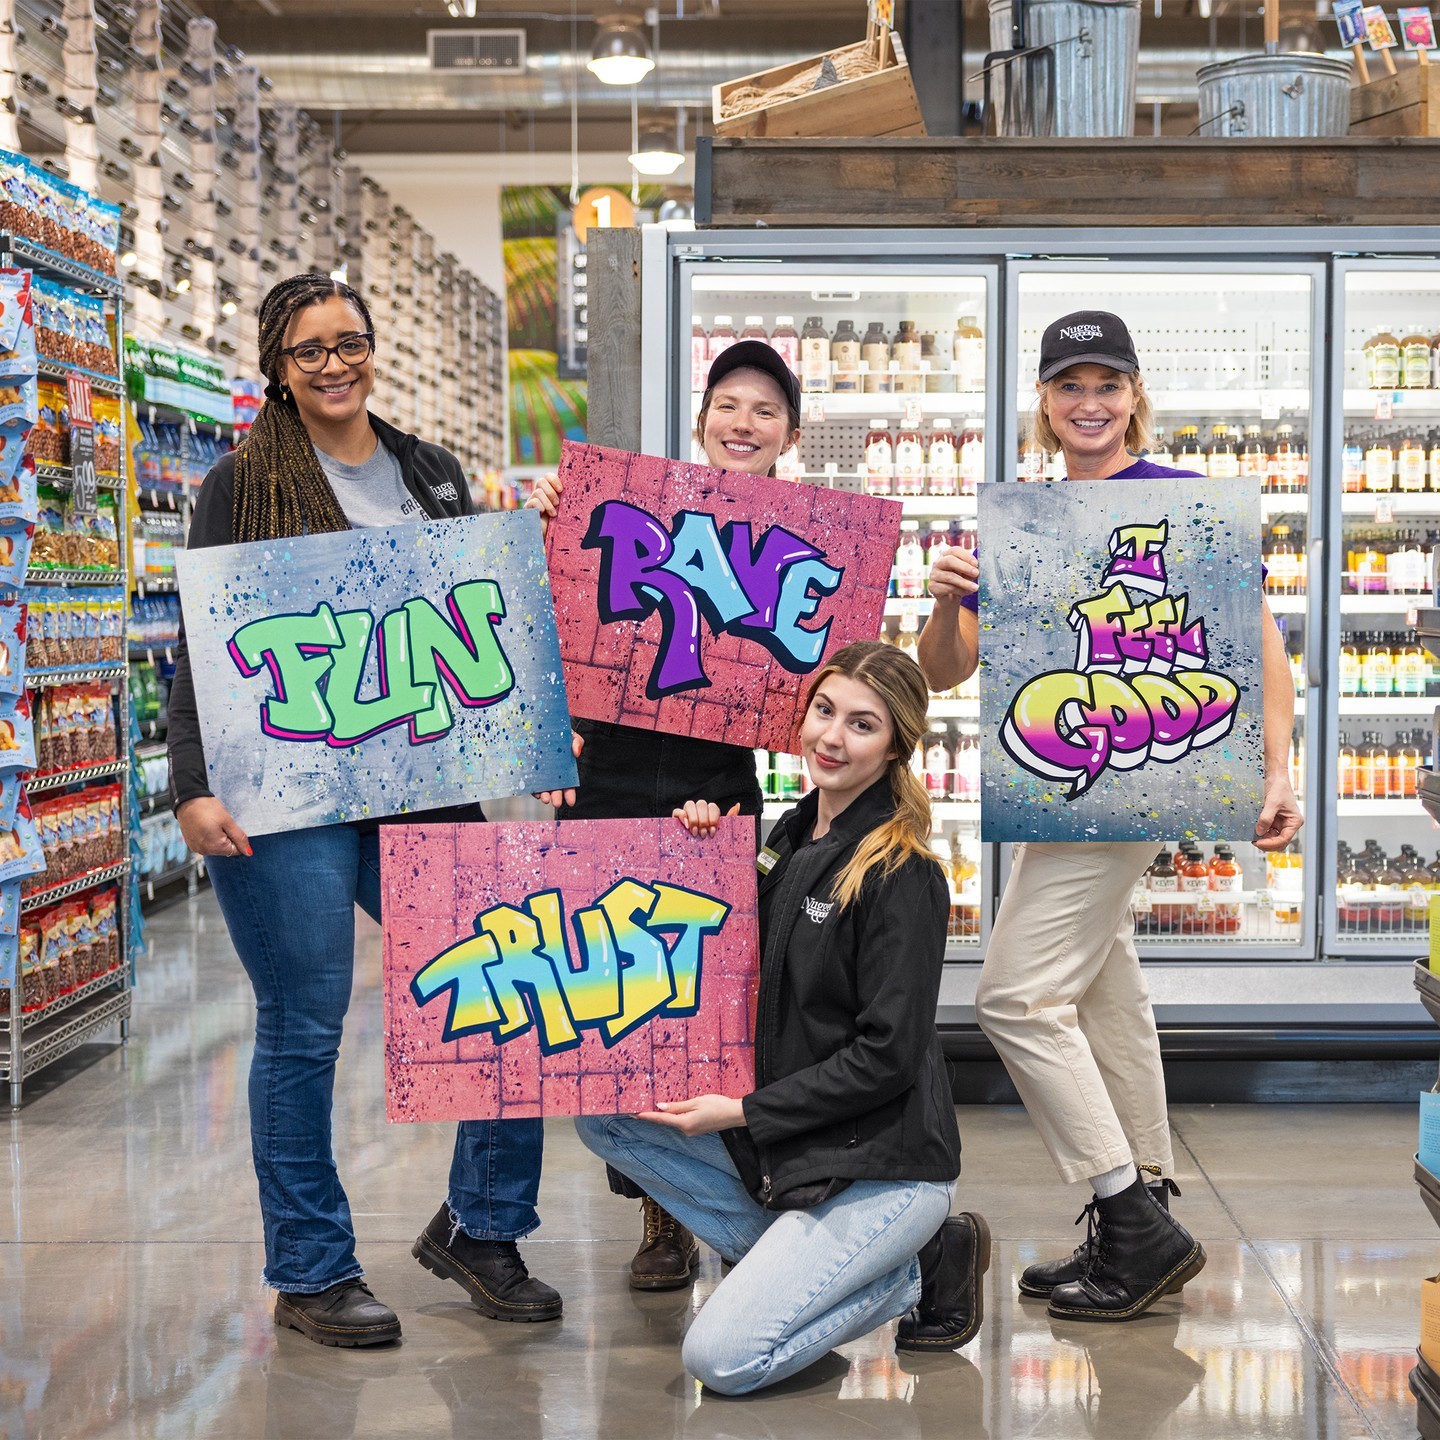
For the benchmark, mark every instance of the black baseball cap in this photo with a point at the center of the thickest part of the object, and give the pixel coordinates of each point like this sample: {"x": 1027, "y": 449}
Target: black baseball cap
{"x": 1087, "y": 337}
{"x": 755, "y": 355}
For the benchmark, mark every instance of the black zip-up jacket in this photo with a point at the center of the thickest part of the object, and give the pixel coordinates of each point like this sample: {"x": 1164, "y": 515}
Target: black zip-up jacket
{"x": 432, "y": 475}
{"x": 850, "y": 1081}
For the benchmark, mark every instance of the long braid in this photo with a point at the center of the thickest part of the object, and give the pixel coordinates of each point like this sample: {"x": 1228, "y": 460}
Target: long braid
{"x": 281, "y": 490}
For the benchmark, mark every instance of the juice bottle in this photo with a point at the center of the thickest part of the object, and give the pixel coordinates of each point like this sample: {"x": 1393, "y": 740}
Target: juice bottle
{"x": 879, "y": 459}
{"x": 1284, "y": 878}
{"x": 1433, "y": 465}
{"x": 1289, "y": 461}
{"x": 909, "y": 563}
{"x": 967, "y": 768}
{"x": 908, "y": 638}
{"x": 1188, "y": 453}
{"x": 1415, "y": 362}
{"x": 1164, "y": 881}
{"x": 1412, "y": 670}
{"x": 932, "y": 363}
{"x": 1410, "y": 465}
{"x": 1352, "y": 466}
{"x": 845, "y": 352}
{"x": 1365, "y": 768}
{"x": 1405, "y": 759}
{"x": 814, "y": 356}
{"x": 909, "y": 462}
{"x": 942, "y": 459}
{"x": 972, "y": 456}
{"x": 1282, "y": 561}
{"x": 938, "y": 766}
{"x": 1380, "y": 464}
{"x": 722, "y": 337}
{"x": 1354, "y": 889}
{"x": 1033, "y": 461}
{"x": 969, "y": 355}
{"x": 1160, "y": 453}
{"x": 755, "y": 329}
{"x": 937, "y": 541}
{"x": 1406, "y": 568}
{"x": 1195, "y": 885}
{"x": 1377, "y": 667}
{"x": 907, "y": 379}
{"x": 1222, "y": 463}
{"x": 1346, "y": 768}
{"x": 1415, "y": 882}
{"x": 699, "y": 355}
{"x": 785, "y": 340}
{"x": 875, "y": 352}
{"x": 1389, "y": 911}
{"x": 1382, "y": 360}
{"x": 1225, "y": 879}
{"x": 1254, "y": 458}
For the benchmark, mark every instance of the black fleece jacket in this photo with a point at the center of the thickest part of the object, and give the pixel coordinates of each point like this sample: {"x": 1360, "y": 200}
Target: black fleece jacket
{"x": 850, "y": 1080}
{"x": 432, "y": 475}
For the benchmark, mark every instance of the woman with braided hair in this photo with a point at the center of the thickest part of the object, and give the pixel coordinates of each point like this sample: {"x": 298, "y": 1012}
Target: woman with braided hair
{"x": 316, "y": 460}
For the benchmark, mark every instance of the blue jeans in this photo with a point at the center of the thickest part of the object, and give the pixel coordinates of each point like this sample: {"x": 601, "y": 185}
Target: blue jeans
{"x": 290, "y": 910}
{"x": 804, "y": 1281}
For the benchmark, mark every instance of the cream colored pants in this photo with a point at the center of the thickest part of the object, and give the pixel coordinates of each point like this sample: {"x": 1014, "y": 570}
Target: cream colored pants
{"x": 1063, "y": 1000}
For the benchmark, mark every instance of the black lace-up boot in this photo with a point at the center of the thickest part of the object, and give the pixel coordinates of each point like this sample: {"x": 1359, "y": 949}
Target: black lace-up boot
{"x": 347, "y": 1314}
{"x": 491, "y": 1270}
{"x": 953, "y": 1263}
{"x": 668, "y": 1256}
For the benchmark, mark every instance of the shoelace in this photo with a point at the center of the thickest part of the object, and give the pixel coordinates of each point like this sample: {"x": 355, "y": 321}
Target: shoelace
{"x": 659, "y": 1223}
{"x": 1094, "y": 1236}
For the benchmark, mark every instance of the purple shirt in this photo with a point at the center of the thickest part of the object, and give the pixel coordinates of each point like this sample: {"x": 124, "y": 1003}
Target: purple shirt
{"x": 1140, "y": 470}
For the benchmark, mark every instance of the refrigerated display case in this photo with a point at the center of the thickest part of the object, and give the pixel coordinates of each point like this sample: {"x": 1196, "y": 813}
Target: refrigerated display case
{"x": 1254, "y": 348}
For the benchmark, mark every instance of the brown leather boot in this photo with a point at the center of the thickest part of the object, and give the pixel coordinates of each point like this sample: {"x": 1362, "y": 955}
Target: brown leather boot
{"x": 668, "y": 1255}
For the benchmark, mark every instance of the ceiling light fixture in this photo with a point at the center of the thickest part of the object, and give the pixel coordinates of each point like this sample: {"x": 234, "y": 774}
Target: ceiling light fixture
{"x": 620, "y": 55}
{"x": 657, "y": 154}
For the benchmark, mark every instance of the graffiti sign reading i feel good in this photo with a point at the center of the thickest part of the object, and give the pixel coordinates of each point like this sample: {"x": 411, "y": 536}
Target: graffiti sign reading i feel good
{"x": 697, "y": 601}
{"x": 1128, "y": 708}
{"x": 376, "y": 671}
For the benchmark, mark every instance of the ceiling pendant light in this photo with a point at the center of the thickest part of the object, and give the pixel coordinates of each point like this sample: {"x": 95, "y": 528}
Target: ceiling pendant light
{"x": 658, "y": 152}
{"x": 620, "y": 55}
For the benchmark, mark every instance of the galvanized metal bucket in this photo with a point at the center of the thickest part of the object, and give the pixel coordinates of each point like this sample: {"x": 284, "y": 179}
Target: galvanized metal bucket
{"x": 1097, "y": 54}
{"x": 1297, "y": 94}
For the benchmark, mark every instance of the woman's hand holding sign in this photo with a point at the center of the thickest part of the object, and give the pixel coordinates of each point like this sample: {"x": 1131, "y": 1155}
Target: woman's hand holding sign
{"x": 700, "y": 817}
{"x": 955, "y": 574}
{"x": 700, "y": 1115}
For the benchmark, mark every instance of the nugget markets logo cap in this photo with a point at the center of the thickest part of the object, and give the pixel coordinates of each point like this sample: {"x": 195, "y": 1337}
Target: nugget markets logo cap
{"x": 1088, "y": 337}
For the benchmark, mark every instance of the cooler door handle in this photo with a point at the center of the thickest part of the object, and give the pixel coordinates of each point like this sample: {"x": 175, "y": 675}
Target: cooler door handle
{"x": 1314, "y": 581}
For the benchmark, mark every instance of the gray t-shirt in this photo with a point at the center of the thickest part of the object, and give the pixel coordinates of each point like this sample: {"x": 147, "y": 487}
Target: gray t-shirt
{"x": 373, "y": 493}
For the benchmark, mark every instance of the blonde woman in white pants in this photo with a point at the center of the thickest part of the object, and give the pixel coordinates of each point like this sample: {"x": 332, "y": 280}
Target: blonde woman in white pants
{"x": 1062, "y": 996}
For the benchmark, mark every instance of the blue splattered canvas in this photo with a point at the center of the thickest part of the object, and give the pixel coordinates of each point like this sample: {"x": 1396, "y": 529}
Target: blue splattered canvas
{"x": 1120, "y": 679}
{"x": 377, "y": 671}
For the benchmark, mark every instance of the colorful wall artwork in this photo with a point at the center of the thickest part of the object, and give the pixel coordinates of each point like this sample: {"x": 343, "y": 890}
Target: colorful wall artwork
{"x": 377, "y": 671}
{"x": 1120, "y": 680}
{"x": 698, "y": 602}
{"x": 574, "y": 967}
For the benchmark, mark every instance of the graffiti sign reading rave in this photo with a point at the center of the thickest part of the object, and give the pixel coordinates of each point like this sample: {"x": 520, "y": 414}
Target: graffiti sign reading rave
{"x": 565, "y": 968}
{"x": 1131, "y": 710}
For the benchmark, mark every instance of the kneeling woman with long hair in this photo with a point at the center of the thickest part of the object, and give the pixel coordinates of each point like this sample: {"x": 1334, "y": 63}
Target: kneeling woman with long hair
{"x": 830, "y": 1184}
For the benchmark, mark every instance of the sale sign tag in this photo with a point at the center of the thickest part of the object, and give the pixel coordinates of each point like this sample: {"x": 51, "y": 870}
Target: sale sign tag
{"x": 376, "y": 672}
{"x": 698, "y": 602}
{"x": 84, "y": 483}
{"x": 576, "y": 967}
{"x": 1120, "y": 676}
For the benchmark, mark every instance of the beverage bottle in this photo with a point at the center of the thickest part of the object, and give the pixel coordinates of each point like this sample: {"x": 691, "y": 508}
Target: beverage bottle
{"x": 1188, "y": 454}
{"x": 1410, "y": 465}
{"x": 972, "y": 456}
{"x": 879, "y": 459}
{"x": 1032, "y": 460}
{"x": 1222, "y": 463}
{"x": 1375, "y": 757}
{"x": 910, "y": 562}
{"x": 699, "y": 355}
{"x": 908, "y": 638}
{"x": 1377, "y": 667}
{"x": 1412, "y": 670}
{"x": 785, "y": 340}
{"x": 1284, "y": 878}
{"x": 1433, "y": 465}
{"x": 1301, "y": 465}
{"x": 1282, "y": 561}
{"x": 814, "y": 357}
{"x": 932, "y": 363}
{"x": 1370, "y": 576}
{"x": 1415, "y": 362}
{"x": 1406, "y": 757}
{"x": 964, "y": 872}
{"x": 1195, "y": 886}
{"x": 788, "y": 770}
{"x": 1379, "y": 465}
{"x": 1164, "y": 881}
{"x": 1382, "y": 360}
{"x": 875, "y": 352}
{"x": 1354, "y": 890}
{"x": 1297, "y": 761}
{"x": 909, "y": 462}
{"x": 765, "y": 772}
{"x": 969, "y": 355}
{"x": 1289, "y": 460}
{"x": 1160, "y": 454}
{"x": 942, "y": 460}
{"x": 755, "y": 329}
{"x": 1347, "y": 767}
{"x": 936, "y": 543}
{"x": 845, "y": 352}
{"x": 1226, "y": 880}
{"x": 1415, "y": 881}
{"x": 967, "y": 768}
{"x": 938, "y": 766}
{"x": 1365, "y": 768}
{"x": 1352, "y": 469}
{"x": 722, "y": 337}
{"x": 1391, "y": 904}
{"x": 906, "y": 379}
{"x": 1254, "y": 458}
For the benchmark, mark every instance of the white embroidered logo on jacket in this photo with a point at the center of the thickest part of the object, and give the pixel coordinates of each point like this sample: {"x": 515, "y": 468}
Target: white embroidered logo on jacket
{"x": 445, "y": 490}
{"x": 817, "y": 910}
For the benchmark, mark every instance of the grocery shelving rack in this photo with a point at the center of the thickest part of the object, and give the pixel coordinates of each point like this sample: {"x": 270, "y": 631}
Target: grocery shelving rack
{"x": 28, "y": 1043}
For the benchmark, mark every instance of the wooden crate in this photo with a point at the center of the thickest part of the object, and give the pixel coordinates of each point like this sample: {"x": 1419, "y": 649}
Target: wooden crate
{"x": 1407, "y": 103}
{"x": 881, "y": 103}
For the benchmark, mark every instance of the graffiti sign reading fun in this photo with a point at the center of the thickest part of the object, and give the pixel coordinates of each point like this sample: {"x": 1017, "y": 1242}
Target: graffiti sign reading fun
{"x": 1128, "y": 709}
{"x": 697, "y": 601}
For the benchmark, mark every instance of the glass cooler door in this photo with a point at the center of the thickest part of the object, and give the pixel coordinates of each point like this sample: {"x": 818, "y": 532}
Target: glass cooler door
{"x": 895, "y": 369}
{"x": 1231, "y": 355}
{"x": 1385, "y": 448}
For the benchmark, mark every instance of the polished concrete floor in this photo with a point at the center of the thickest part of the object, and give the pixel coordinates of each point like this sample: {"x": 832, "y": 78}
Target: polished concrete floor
{"x": 130, "y": 1302}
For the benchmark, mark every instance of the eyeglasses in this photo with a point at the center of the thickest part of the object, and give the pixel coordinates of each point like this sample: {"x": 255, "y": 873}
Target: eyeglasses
{"x": 312, "y": 356}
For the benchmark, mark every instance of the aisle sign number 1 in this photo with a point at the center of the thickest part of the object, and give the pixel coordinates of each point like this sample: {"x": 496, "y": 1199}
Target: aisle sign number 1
{"x": 83, "y": 484}
{"x": 601, "y": 208}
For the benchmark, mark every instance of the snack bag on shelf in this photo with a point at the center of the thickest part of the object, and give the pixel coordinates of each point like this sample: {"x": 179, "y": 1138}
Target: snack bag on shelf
{"x": 16, "y": 215}
{"x": 17, "y": 735}
{"x": 19, "y": 401}
{"x": 20, "y": 850}
{"x": 91, "y": 332}
{"x": 12, "y": 787}
{"x": 19, "y": 498}
{"x": 12, "y": 645}
{"x": 17, "y": 316}
{"x": 103, "y": 233}
{"x": 49, "y": 550}
{"x": 50, "y": 439}
{"x": 105, "y": 533}
{"x": 15, "y": 540}
{"x": 18, "y": 360}
{"x": 105, "y": 912}
{"x": 9, "y": 907}
{"x": 108, "y": 431}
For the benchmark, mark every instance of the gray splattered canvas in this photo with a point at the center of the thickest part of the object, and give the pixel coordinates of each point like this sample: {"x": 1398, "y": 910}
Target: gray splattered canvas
{"x": 377, "y": 672}
{"x": 1120, "y": 680}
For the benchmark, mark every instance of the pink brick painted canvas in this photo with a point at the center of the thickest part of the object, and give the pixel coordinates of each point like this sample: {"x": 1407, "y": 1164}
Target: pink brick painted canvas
{"x": 699, "y": 602}
{"x": 573, "y": 967}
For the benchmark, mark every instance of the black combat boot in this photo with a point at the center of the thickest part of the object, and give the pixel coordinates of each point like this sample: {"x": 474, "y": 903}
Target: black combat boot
{"x": 1037, "y": 1281}
{"x": 953, "y": 1263}
{"x": 491, "y": 1270}
{"x": 1139, "y": 1252}
{"x": 346, "y": 1314}
{"x": 668, "y": 1256}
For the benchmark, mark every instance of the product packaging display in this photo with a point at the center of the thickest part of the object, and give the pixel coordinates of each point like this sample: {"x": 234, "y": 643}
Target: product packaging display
{"x": 69, "y": 628}
{"x": 65, "y": 540}
{"x": 13, "y": 628}
{"x": 74, "y": 726}
{"x": 79, "y": 831}
{"x": 70, "y": 328}
{"x": 60, "y": 217}
{"x": 65, "y": 946}
{"x": 21, "y": 853}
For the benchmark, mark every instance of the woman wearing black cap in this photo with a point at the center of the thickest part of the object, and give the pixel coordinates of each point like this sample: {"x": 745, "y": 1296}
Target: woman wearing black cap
{"x": 1061, "y": 995}
{"x": 749, "y": 416}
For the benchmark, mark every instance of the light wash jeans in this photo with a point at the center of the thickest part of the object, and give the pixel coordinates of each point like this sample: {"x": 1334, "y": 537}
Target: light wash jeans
{"x": 804, "y": 1281}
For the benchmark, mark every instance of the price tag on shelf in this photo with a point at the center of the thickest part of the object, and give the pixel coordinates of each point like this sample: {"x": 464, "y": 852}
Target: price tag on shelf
{"x": 1385, "y": 406}
{"x": 1269, "y": 405}
{"x": 83, "y": 483}
{"x": 814, "y": 409}
{"x": 1384, "y": 512}
{"x": 912, "y": 410}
